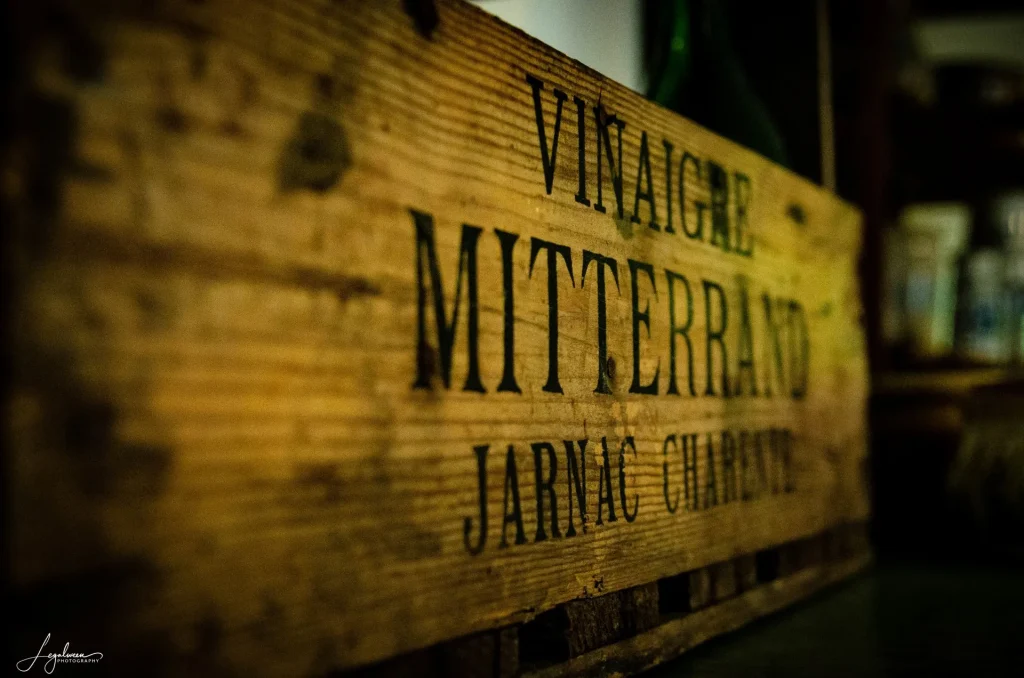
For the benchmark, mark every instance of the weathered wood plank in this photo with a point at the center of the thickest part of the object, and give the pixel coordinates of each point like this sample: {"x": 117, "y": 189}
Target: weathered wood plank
{"x": 674, "y": 637}
{"x": 247, "y": 398}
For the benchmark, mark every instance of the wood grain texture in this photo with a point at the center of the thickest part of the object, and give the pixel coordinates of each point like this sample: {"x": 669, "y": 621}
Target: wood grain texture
{"x": 216, "y": 352}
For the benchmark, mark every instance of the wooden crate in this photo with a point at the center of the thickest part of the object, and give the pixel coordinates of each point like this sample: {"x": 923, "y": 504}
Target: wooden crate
{"x": 371, "y": 335}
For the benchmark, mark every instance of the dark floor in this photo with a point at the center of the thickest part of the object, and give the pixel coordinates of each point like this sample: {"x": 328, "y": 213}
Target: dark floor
{"x": 895, "y": 620}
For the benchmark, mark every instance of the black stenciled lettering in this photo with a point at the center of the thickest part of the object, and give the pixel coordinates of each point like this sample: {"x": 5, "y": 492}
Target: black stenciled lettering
{"x": 547, "y": 159}
{"x": 603, "y": 381}
{"x": 670, "y": 504}
{"x": 710, "y": 482}
{"x": 699, "y": 206}
{"x": 425, "y": 248}
{"x": 622, "y": 481}
{"x": 545, "y": 486}
{"x": 643, "y": 172}
{"x": 690, "y": 472}
{"x": 512, "y": 489}
{"x": 728, "y": 454}
{"x": 715, "y": 336}
{"x": 508, "y": 373}
{"x": 741, "y": 182}
{"x": 718, "y": 181}
{"x": 577, "y": 478}
{"x": 745, "y": 352}
{"x": 467, "y": 528}
{"x": 799, "y": 351}
{"x": 772, "y": 341}
{"x": 581, "y": 123}
{"x": 645, "y": 318}
{"x": 676, "y": 330}
{"x": 668, "y": 185}
{"x": 604, "y": 144}
{"x": 554, "y": 251}
{"x": 605, "y": 495}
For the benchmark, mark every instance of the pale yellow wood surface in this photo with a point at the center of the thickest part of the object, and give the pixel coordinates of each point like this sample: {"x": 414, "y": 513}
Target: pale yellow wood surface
{"x": 217, "y": 348}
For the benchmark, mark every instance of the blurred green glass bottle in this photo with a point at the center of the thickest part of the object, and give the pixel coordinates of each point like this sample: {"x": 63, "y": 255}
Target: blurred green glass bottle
{"x": 695, "y": 71}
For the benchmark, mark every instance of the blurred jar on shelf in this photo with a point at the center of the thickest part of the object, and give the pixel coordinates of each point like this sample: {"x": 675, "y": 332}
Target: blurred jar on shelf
{"x": 922, "y": 256}
{"x": 993, "y": 289}
{"x": 986, "y": 333}
{"x": 1008, "y": 211}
